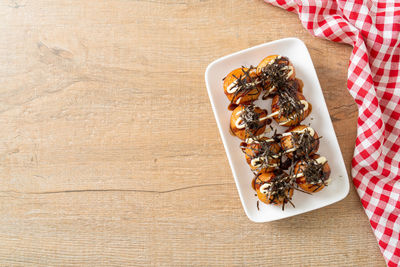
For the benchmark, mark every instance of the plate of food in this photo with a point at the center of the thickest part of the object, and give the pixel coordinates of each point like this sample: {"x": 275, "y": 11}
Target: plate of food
{"x": 276, "y": 130}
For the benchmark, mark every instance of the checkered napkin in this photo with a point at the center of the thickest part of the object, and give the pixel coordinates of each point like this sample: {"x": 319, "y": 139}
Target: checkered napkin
{"x": 373, "y": 29}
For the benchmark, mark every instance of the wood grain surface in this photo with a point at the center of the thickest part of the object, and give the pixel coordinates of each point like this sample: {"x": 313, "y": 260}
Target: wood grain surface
{"x": 109, "y": 151}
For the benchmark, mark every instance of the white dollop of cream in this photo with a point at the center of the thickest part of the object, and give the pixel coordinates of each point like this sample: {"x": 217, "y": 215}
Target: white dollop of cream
{"x": 272, "y": 114}
{"x": 298, "y": 175}
{"x": 321, "y": 160}
{"x": 259, "y": 137}
{"x": 305, "y": 103}
{"x": 290, "y": 150}
{"x": 232, "y": 87}
{"x": 310, "y": 130}
{"x": 290, "y": 73}
{"x": 257, "y": 162}
{"x": 263, "y": 118}
{"x": 272, "y": 89}
{"x": 251, "y": 140}
{"x": 275, "y": 59}
{"x": 239, "y": 123}
{"x": 264, "y": 188}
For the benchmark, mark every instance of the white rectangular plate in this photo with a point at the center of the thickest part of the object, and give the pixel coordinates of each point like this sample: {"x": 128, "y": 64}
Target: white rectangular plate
{"x": 320, "y": 120}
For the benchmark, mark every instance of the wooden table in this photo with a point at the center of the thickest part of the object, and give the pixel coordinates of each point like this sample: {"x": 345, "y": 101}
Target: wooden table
{"x": 110, "y": 154}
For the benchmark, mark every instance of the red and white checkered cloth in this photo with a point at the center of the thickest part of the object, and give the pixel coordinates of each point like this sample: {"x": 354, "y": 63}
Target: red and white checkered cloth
{"x": 373, "y": 29}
